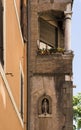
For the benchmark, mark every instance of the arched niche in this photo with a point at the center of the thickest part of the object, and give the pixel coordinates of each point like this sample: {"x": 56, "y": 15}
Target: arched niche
{"x": 45, "y": 105}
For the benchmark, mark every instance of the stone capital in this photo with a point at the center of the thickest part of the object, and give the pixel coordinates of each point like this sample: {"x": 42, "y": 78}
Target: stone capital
{"x": 68, "y": 14}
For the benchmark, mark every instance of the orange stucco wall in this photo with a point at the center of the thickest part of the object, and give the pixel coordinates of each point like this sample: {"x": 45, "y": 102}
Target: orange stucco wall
{"x": 14, "y": 63}
{"x": 9, "y": 119}
{"x": 14, "y": 49}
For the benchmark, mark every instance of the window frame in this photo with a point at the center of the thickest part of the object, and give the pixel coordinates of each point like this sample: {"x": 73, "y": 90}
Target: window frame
{"x": 21, "y": 15}
{"x": 1, "y": 34}
{"x": 54, "y": 44}
{"x": 21, "y": 92}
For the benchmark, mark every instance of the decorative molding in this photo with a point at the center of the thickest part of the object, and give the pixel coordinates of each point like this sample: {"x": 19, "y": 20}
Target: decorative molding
{"x": 10, "y": 94}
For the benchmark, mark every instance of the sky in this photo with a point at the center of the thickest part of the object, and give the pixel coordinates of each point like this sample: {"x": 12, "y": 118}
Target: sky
{"x": 76, "y": 45}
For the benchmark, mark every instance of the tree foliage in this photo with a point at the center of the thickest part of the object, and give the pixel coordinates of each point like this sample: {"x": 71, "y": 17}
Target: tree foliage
{"x": 77, "y": 111}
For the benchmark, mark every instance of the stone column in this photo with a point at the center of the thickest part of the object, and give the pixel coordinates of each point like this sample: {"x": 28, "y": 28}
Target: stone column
{"x": 68, "y": 14}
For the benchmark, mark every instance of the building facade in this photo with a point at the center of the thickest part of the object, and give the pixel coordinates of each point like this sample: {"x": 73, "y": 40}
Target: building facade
{"x": 36, "y": 65}
{"x": 13, "y": 99}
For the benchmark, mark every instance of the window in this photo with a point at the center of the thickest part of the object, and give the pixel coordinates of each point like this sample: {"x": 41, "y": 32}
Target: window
{"x": 21, "y": 111}
{"x": 48, "y": 34}
{"x": 42, "y": 45}
{"x": 1, "y": 34}
{"x": 21, "y": 92}
{"x": 21, "y": 15}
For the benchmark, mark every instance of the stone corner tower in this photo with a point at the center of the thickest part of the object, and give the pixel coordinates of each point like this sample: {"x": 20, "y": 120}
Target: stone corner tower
{"x": 49, "y": 65}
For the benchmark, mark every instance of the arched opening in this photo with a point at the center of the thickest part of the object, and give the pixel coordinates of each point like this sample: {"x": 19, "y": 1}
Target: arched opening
{"x": 45, "y": 105}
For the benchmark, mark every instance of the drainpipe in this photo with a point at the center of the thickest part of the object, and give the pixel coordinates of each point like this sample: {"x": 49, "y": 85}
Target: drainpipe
{"x": 28, "y": 65}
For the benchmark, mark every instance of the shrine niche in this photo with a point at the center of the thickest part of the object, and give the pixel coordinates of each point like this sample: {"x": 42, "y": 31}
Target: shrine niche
{"x": 45, "y": 105}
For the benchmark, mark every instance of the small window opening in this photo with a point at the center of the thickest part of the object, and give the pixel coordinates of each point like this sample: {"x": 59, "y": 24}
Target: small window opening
{"x": 41, "y": 45}
{"x": 48, "y": 34}
{"x": 21, "y": 101}
{"x": 21, "y": 15}
{"x": 1, "y": 34}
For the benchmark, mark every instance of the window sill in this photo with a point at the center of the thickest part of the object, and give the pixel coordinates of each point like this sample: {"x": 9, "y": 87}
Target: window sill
{"x": 42, "y": 52}
{"x": 45, "y": 116}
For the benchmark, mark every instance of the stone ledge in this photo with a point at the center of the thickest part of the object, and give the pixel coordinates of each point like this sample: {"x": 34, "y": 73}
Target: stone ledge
{"x": 45, "y": 116}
